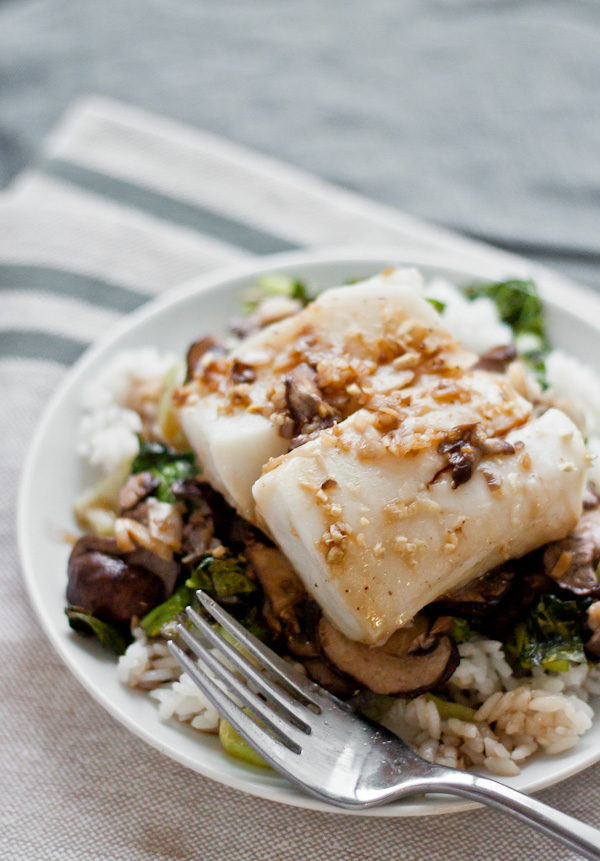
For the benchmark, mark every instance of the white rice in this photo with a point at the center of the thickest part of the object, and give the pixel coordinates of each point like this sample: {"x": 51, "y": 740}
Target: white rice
{"x": 476, "y": 323}
{"x": 148, "y": 664}
{"x": 183, "y": 701}
{"x": 107, "y": 436}
{"x": 108, "y": 428}
{"x": 576, "y": 381}
{"x": 514, "y": 718}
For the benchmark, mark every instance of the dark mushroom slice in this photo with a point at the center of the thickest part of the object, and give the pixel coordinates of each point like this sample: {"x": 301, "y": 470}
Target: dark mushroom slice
{"x": 288, "y": 610}
{"x": 104, "y": 582}
{"x": 461, "y": 454}
{"x": 166, "y": 570}
{"x": 479, "y": 597}
{"x": 187, "y": 489}
{"x": 136, "y": 489}
{"x": 302, "y": 394}
{"x": 198, "y": 532}
{"x": 306, "y": 405}
{"x": 573, "y": 561}
{"x": 463, "y": 449}
{"x": 282, "y": 587}
{"x": 400, "y": 667}
{"x": 592, "y": 646}
{"x": 215, "y": 519}
{"x": 324, "y": 675}
{"x": 497, "y": 359}
{"x": 301, "y": 637}
{"x": 196, "y": 351}
{"x": 231, "y": 529}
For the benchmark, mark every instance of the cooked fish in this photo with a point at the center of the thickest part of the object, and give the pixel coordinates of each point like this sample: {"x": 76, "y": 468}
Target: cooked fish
{"x": 290, "y": 380}
{"x": 379, "y": 521}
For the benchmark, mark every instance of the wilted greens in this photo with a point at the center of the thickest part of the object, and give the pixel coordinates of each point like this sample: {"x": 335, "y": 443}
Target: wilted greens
{"x": 521, "y": 308}
{"x": 518, "y": 305}
{"x": 549, "y": 638}
{"x": 235, "y": 745}
{"x": 447, "y": 709}
{"x": 373, "y": 706}
{"x": 153, "y": 623}
{"x": 224, "y": 579}
{"x": 167, "y": 465}
{"x": 275, "y": 285}
{"x": 461, "y": 630}
{"x": 88, "y": 625}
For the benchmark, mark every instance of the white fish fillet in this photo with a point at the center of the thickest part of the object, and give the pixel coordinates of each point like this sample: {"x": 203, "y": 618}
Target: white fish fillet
{"x": 374, "y": 540}
{"x": 235, "y": 436}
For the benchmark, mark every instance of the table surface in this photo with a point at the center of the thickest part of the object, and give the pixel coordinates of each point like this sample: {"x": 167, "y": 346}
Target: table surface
{"x": 482, "y": 116}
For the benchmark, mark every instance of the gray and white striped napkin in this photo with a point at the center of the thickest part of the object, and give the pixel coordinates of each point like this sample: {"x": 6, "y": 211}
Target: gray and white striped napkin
{"x": 121, "y": 206}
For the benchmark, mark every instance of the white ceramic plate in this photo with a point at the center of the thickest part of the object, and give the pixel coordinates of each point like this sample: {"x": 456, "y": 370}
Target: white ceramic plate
{"x": 54, "y": 475}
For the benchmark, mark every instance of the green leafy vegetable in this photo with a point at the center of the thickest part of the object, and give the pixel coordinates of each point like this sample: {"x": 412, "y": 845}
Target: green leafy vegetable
{"x": 549, "y": 638}
{"x": 460, "y": 630}
{"x": 253, "y": 621}
{"x": 447, "y": 709}
{"x": 153, "y": 623}
{"x": 221, "y": 577}
{"x": 521, "y": 308}
{"x": 234, "y": 745}
{"x": 518, "y": 305}
{"x": 166, "y": 464}
{"x": 373, "y": 706}
{"x": 439, "y": 306}
{"x": 275, "y": 285}
{"x": 88, "y": 625}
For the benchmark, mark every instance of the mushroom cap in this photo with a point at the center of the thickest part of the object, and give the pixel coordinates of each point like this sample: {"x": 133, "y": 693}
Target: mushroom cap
{"x": 573, "y": 561}
{"x": 108, "y": 586}
{"x": 479, "y": 597}
{"x": 414, "y": 659}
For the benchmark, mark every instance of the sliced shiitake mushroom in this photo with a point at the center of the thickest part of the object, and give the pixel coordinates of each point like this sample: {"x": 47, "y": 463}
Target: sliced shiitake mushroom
{"x": 288, "y": 610}
{"x": 306, "y": 405}
{"x": 281, "y": 585}
{"x": 479, "y": 597}
{"x": 321, "y": 673}
{"x": 414, "y": 659}
{"x": 196, "y": 351}
{"x": 592, "y": 646}
{"x": 136, "y": 488}
{"x": 573, "y": 562}
{"x": 111, "y": 585}
{"x": 497, "y": 359}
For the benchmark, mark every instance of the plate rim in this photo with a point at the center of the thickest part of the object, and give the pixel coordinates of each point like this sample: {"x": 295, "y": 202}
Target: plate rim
{"x": 553, "y": 288}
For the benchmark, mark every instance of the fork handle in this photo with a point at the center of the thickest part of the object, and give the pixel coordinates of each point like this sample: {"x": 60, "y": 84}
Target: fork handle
{"x": 578, "y": 836}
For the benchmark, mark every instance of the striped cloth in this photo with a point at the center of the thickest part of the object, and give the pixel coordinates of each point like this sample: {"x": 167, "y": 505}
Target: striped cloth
{"x": 121, "y": 206}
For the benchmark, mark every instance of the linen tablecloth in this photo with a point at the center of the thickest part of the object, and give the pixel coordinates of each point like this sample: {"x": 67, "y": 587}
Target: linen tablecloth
{"x": 121, "y": 206}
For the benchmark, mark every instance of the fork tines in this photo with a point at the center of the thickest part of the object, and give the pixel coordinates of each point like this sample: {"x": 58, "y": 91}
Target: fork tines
{"x": 275, "y": 694}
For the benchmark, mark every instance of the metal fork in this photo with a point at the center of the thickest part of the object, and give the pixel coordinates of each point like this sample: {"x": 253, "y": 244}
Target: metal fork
{"x": 324, "y": 745}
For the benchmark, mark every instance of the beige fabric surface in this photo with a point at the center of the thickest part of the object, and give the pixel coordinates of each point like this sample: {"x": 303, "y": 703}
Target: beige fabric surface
{"x": 74, "y": 784}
